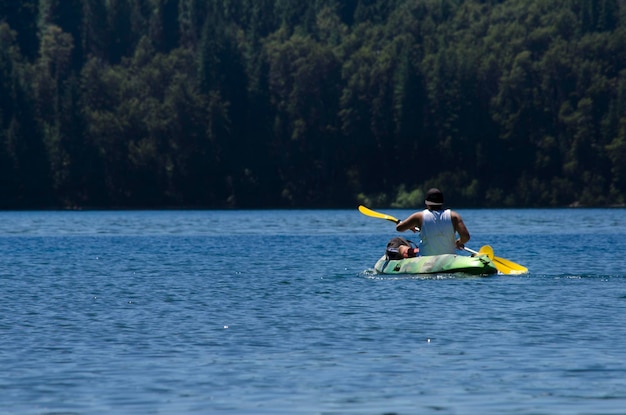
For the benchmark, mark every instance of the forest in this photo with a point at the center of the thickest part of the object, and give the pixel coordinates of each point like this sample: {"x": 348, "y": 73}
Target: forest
{"x": 251, "y": 104}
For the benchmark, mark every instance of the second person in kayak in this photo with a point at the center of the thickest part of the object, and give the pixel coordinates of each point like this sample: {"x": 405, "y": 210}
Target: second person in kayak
{"x": 438, "y": 227}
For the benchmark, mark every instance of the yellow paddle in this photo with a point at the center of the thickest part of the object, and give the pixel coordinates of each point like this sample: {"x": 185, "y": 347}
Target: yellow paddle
{"x": 503, "y": 265}
{"x": 370, "y": 212}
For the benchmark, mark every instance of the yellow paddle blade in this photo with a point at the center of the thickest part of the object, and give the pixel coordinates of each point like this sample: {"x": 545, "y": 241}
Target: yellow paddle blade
{"x": 373, "y": 214}
{"x": 512, "y": 267}
{"x": 486, "y": 250}
{"x": 503, "y": 265}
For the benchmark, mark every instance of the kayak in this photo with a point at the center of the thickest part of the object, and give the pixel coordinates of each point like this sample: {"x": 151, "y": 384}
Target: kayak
{"x": 437, "y": 264}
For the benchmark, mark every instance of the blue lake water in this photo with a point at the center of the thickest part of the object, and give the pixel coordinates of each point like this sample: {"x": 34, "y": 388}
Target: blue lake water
{"x": 280, "y": 312}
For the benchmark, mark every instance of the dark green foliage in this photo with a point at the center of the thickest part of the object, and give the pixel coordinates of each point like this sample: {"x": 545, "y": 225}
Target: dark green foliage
{"x": 24, "y": 168}
{"x": 326, "y": 103}
{"x": 21, "y": 16}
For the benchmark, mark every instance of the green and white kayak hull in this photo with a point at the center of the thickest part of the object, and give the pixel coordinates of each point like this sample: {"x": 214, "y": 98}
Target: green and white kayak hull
{"x": 437, "y": 264}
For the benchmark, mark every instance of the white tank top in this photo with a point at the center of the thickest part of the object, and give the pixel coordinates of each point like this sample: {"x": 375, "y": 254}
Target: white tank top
{"x": 437, "y": 233}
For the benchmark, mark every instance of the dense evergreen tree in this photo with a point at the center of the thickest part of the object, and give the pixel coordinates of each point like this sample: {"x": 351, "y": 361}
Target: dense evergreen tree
{"x": 21, "y": 16}
{"x": 328, "y": 103}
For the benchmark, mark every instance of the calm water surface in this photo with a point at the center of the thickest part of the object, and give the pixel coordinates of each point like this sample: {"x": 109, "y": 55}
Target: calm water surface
{"x": 280, "y": 312}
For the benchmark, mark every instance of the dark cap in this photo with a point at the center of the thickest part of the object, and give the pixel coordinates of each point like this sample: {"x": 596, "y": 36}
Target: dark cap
{"x": 434, "y": 197}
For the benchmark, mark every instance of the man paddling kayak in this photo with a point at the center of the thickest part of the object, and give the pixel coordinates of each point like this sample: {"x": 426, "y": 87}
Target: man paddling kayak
{"x": 437, "y": 226}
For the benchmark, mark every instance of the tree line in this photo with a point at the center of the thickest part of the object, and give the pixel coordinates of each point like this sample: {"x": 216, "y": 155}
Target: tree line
{"x": 320, "y": 104}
